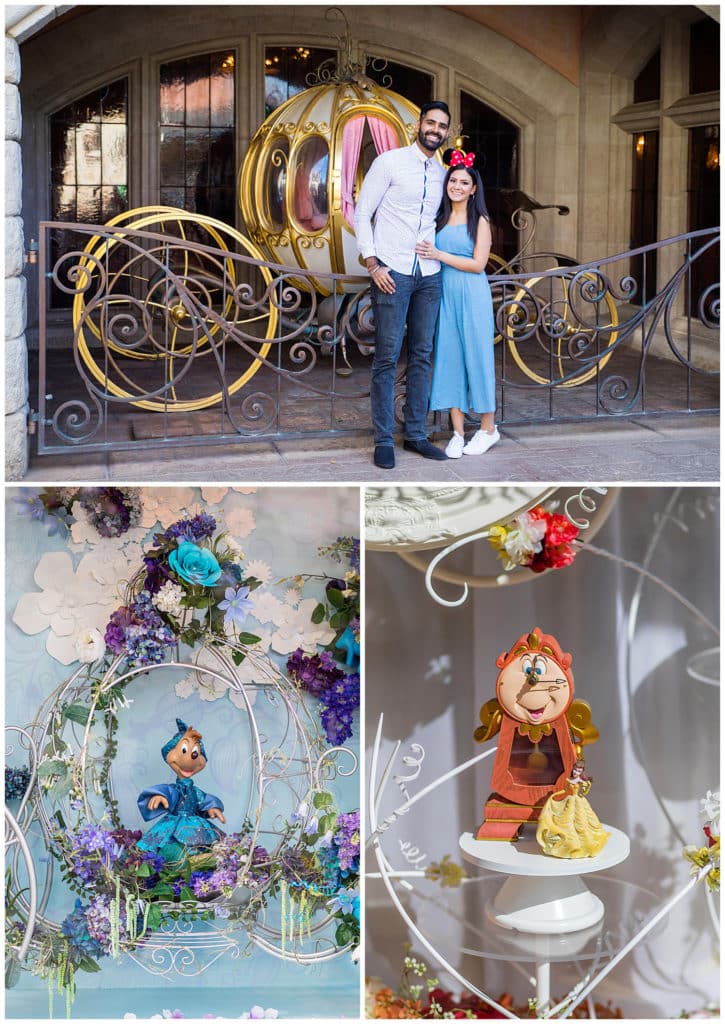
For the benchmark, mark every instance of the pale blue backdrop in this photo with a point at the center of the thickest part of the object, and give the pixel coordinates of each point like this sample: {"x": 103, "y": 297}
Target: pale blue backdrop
{"x": 291, "y": 523}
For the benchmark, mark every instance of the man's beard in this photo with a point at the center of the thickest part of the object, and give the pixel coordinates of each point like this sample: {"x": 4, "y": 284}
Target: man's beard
{"x": 427, "y": 145}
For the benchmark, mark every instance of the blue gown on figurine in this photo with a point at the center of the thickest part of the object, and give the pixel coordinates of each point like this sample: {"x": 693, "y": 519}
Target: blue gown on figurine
{"x": 182, "y": 827}
{"x": 463, "y": 367}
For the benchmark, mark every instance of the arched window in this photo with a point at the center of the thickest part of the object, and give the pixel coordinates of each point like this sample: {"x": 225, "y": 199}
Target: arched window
{"x": 197, "y": 165}
{"x": 497, "y": 138}
{"x": 415, "y": 85}
{"x": 287, "y": 69}
{"x": 88, "y": 166}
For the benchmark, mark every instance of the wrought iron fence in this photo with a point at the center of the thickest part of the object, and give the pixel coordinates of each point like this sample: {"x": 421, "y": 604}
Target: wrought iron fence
{"x": 180, "y": 336}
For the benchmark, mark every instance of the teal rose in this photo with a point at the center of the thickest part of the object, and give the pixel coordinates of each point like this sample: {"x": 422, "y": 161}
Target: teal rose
{"x": 195, "y": 564}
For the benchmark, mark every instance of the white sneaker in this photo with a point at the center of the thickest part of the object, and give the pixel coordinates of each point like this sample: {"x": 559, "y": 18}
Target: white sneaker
{"x": 481, "y": 442}
{"x": 454, "y": 448}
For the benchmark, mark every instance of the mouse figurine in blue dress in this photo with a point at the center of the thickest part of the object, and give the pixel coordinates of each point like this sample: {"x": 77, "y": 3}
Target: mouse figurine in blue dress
{"x": 180, "y": 811}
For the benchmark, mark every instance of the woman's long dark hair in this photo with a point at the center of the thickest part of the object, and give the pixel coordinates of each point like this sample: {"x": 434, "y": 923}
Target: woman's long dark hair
{"x": 476, "y": 203}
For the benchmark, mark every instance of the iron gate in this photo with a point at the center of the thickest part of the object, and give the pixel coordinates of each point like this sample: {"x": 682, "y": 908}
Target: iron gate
{"x": 175, "y": 342}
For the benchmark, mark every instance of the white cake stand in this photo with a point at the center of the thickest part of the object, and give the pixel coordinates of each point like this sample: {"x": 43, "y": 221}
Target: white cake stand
{"x": 542, "y": 895}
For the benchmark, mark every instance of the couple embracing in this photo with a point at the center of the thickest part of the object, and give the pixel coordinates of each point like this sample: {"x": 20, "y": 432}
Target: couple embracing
{"x": 425, "y": 237}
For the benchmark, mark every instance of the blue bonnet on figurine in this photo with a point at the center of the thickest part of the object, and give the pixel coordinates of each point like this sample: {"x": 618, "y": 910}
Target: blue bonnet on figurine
{"x": 182, "y": 809}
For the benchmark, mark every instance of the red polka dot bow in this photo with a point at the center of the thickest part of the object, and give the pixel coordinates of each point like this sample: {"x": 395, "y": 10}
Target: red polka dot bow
{"x": 461, "y": 159}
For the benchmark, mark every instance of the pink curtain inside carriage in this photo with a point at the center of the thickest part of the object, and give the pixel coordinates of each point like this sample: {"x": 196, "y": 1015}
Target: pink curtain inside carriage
{"x": 384, "y": 137}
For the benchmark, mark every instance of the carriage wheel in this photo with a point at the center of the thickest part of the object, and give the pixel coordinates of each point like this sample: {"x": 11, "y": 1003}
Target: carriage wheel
{"x": 165, "y": 304}
{"x": 552, "y": 321}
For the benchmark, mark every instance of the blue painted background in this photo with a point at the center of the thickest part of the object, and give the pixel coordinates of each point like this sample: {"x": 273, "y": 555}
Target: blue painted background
{"x": 291, "y": 523}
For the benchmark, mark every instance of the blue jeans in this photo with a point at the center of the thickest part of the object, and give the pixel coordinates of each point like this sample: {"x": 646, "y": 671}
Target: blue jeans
{"x": 416, "y": 300}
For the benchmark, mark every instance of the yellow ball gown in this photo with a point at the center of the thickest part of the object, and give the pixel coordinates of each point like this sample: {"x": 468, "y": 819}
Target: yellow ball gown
{"x": 568, "y": 827}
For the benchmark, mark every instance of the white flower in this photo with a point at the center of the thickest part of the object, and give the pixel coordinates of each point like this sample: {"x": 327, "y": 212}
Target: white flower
{"x": 710, "y": 809}
{"x": 258, "y": 1013}
{"x": 213, "y": 495}
{"x": 209, "y": 687}
{"x": 355, "y": 955}
{"x": 240, "y": 521}
{"x": 292, "y": 596}
{"x": 169, "y": 599}
{"x": 90, "y": 646}
{"x": 259, "y": 569}
{"x": 525, "y": 539}
{"x": 70, "y": 601}
{"x": 267, "y": 607}
{"x": 165, "y": 505}
{"x": 298, "y": 630}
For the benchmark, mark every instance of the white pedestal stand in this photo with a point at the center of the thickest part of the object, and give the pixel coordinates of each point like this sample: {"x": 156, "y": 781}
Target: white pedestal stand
{"x": 542, "y": 895}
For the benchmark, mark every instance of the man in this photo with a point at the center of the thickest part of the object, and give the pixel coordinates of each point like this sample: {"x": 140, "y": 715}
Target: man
{"x": 402, "y": 191}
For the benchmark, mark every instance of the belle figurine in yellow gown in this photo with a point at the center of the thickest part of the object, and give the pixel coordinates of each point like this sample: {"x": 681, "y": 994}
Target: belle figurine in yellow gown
{"x": 568, "y": 827}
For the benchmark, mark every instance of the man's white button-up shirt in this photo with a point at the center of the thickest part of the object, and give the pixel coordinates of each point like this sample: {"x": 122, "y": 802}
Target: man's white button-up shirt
{"x": 402, "y": 191}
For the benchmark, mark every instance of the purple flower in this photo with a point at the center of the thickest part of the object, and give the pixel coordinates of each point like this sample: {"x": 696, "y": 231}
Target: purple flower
{"x": 339, "y": 704}
{"x": 314, "y": 673}
{"x": 236, "y": 605}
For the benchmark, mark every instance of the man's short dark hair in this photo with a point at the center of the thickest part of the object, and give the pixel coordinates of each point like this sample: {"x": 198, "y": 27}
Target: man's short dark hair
{"x": 435, "y": 105}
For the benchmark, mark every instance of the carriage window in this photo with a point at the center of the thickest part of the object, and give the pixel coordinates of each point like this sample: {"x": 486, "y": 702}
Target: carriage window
{"x": 286, "y": 71}
{"x": 197, "y": 168}
{"x": 310, "y": 184}
{"x": 88, "y": 166}
{"x": 416, "y": 86}
{"x": 275, "y": 179}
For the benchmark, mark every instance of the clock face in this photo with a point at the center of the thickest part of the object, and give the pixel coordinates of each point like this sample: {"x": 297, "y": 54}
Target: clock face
{"x": 534, "y": 688}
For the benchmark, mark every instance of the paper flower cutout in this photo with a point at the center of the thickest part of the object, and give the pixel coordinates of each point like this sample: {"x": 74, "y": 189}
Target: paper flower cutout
{"x": 240, "y": 521}
{"x": 260, "y": 570}
{"x": 298, "y": 630}
{"x": 165, "y": 505}
{"x": 292, "y": 596}
{"x": 213, "y": 495}
{"x": 70, "y": 602}
{"x": 267, "y": 607}
{"x": 83, "y": 533}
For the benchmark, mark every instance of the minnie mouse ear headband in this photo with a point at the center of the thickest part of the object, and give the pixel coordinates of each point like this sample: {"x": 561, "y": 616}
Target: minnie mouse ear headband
{"x": 459, "y": 158}
{"x": 181, "y": 730}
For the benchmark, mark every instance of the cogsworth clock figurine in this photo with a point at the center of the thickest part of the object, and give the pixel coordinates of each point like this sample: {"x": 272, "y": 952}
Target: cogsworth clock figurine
{"x": 541, "y": 732}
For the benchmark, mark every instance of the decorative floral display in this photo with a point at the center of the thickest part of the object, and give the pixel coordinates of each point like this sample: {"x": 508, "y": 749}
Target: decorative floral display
{"x": 111, "y": 511}
{"x": 188, "y": 570}
{"x": 192, "y": 588}
{"x": 338, "y": 689}
{"x": 17, "y": 781}
{"x": 255, "y": 1013}
{"x": 538, "y": 539}
{"x": 704, "y": 856}
{"x": 421, "y": 997}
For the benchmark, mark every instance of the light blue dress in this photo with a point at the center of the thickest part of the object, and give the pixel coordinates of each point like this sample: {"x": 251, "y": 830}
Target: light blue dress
{"x": 463, "y": 368}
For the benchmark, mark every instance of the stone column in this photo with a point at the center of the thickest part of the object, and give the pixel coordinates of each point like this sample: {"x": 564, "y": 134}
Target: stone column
{"x": 16, "y": 351}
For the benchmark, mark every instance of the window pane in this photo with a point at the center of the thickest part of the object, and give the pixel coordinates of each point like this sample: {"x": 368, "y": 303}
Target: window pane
{"x": 497, "y": 139}
{"x": 222, "y": 91}
{"x": 88, "y": 153}
{"x": 310, "y": 184}
{"x": 647, "y": 82}
{"x": 197, "y": 163}
{"x": 704, "y": 56}
{"x": 704, "y": 200}
{"x": 276, "y": 176}
{"x": 286, "y": 69}
{"x": 88, "y": 166}
{"x": 416, "y": 86}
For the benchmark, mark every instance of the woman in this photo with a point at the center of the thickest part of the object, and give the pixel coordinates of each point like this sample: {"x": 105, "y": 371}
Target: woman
{"x": 463, "y": 370}
{"x": 568, "y": 827}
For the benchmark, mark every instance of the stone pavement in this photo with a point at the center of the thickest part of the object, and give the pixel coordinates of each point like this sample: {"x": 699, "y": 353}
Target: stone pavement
{"x": 674, "y": 448}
